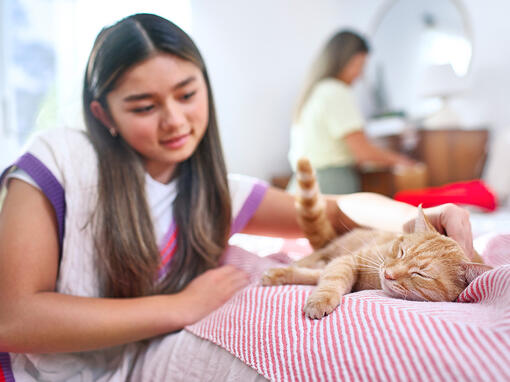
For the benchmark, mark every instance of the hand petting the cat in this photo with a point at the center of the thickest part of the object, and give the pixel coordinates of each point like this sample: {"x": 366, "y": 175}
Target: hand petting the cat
{"x": 212, "y": 289}
{"x": 452, "y": 221}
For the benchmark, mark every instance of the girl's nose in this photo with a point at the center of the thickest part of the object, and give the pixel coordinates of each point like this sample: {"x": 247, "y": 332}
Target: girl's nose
{"x": 173, "y": 116}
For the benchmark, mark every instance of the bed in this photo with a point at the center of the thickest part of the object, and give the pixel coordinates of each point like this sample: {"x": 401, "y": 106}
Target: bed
{"x": 261, "y": 333}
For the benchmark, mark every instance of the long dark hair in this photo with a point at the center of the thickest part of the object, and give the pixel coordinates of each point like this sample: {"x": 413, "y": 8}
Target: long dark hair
{"x": 127, "y": 253}
{"x": 331, "y": 60}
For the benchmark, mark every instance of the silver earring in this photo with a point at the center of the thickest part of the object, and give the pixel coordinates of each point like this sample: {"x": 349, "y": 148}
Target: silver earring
{"x": 113, "y": 132}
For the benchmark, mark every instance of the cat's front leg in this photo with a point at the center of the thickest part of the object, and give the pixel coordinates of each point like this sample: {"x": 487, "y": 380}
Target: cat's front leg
{"x": 336, "y": 280}
{"x": 291, "y": 275}
{"x": 321, "y": 303}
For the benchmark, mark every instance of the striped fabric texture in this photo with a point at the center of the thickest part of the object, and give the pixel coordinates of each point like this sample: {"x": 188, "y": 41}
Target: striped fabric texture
{"x": 370, "y": 337}
{"x": 167, "y": 249}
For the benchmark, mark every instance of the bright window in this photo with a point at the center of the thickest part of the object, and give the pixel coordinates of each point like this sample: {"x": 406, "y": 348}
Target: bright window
{"x": 44, "y": 45}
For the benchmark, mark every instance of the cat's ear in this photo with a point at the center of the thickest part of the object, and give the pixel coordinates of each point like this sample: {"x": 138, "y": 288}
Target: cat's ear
{"x": 473, "y": 270}
{"x": 422, "y": 224}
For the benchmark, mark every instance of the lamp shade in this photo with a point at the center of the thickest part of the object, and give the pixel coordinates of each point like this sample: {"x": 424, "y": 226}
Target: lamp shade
{"x": 440, "y": 81}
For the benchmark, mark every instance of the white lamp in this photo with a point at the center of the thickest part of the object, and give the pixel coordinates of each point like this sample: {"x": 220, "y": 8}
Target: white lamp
{"x": 442, "y": 82}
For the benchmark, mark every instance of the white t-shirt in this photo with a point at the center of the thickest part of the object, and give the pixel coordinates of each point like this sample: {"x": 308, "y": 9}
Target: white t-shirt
{"x": 329, "y": 114}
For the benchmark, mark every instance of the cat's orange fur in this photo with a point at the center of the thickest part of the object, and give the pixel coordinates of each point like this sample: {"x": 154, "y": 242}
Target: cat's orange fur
{"x": 422, "y": 265}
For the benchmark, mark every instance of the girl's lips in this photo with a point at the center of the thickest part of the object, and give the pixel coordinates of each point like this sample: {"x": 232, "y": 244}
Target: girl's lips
{"x": 176, "y": 142}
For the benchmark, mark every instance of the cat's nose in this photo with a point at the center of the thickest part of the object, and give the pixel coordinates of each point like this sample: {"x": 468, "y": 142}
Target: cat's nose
{"x": 388, "y": 276}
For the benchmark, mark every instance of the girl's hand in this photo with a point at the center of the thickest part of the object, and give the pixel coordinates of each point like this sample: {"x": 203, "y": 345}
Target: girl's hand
{"x": 212, "y": 289}
{"x": 452, "y": 221}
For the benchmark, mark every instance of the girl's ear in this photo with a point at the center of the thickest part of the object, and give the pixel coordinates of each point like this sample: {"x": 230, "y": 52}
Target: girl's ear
{"x": 99, "y": 112}
{"x": 422, "y": 224}
{"x": 473, "y": 270}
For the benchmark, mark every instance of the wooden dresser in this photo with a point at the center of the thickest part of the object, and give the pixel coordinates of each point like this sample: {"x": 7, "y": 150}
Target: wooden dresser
{"x": 450, "y": 155}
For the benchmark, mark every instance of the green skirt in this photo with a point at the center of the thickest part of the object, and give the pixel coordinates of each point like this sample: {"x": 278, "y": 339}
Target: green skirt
{"x": 333, "y": 180}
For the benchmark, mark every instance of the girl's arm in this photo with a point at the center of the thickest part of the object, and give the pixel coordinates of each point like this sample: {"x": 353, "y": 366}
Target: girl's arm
{"x": 35, "y": 318}
{"x": 375, "y": 211}
{"x": 276, "y": 216}
{"x": 365, "y": 151}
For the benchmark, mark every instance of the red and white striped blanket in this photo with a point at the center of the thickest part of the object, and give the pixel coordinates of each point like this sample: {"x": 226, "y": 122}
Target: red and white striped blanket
{"x": 370, "y": 337}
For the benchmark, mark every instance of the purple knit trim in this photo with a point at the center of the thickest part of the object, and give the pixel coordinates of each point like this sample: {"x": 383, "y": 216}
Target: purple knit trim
{"x": 5, "y": 365}
{"x": 249, "y": 207}
{"x": 49, "y": 185}
{"x": 54, "y": 191}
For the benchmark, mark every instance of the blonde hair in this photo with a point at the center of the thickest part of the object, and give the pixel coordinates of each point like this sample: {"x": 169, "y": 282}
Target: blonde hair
{"x": 332, "y": 59}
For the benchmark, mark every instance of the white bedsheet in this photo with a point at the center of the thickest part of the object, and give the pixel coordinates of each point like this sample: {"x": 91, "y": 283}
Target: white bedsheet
{"x": 492, "y": 222}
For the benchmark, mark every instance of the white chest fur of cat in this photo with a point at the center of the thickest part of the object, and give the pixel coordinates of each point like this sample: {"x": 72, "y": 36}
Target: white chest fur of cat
{"x": 422, "y": 265}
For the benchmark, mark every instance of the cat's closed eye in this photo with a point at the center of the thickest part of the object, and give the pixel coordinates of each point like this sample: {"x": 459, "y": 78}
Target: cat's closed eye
{"x": 419, "y": 274}
{"x": 401, "y": 253}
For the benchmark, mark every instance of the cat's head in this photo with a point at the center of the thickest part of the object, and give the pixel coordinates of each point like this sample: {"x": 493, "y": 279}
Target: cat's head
{"x": 427, "y": 266}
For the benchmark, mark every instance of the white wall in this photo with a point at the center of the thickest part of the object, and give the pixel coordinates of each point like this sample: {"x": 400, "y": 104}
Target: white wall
{"x": 259, "y": 51}
{"x": 490, "y": 73}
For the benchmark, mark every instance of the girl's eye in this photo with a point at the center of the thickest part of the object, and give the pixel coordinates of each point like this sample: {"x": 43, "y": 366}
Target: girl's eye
{"x": 188, "y": 96}
{"x": 143, "y": 109}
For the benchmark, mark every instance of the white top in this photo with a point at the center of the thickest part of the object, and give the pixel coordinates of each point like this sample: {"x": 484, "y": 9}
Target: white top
{"x": 329, "y": 114}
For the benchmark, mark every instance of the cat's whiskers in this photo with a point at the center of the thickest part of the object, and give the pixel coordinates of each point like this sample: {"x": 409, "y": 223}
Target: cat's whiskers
{"x": 415, "y": 292}
{"x": 425, "y": 296}
{"x": 368, "y": 269}
{"x": 375, "y": 247}
{"x": 400, "y": 289}
{"x": 358, "y": 238}
{"x": 368, "y": 266}
{"x": 380, "y": 255}
{"x": 370, "y": 261}
{"x": 377, "y": 250}
{"x": 370, "y": 272}
{"x": 347, "y": 250}
{"x": 347, "y": 229}
{"x": 358, "y": 255}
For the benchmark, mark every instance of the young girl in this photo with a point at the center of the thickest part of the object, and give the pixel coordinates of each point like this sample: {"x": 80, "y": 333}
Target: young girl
{"x": 113, "y": 236}
{"x": 328, "y": 125}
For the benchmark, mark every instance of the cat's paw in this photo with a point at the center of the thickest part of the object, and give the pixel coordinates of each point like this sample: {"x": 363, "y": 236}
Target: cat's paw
{"x": 274, "y": 276}
{"x": 321, "y": 303}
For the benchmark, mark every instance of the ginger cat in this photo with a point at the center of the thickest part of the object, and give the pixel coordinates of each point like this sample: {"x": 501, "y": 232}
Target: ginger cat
{"x": 423, "y": 265}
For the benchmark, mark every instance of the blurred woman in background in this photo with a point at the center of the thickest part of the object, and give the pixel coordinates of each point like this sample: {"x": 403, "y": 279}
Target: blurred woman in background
{"x": 328, "y": 125}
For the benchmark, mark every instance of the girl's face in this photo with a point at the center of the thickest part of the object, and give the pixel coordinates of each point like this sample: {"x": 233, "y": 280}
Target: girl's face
{"x": 160, "y": 108}
{"x": 353, "y": 69}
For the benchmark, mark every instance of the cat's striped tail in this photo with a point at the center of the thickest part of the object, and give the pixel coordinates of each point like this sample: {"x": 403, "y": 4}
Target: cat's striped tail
{"x": 311, "y": 207}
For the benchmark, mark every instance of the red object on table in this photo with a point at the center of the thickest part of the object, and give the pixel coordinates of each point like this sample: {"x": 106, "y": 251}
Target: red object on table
{"x": 474, "y": 193}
